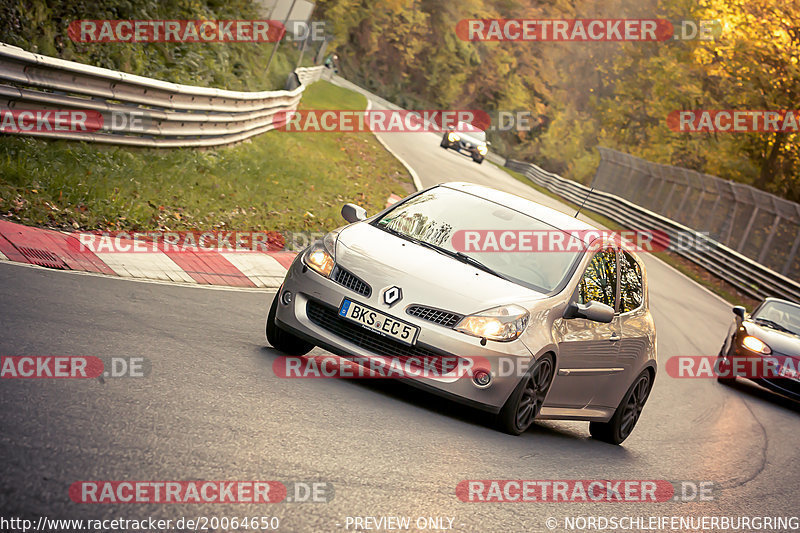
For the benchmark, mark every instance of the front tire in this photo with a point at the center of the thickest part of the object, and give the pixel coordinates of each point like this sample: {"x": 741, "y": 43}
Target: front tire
{"x": 725, "y": 367}
{"x": 282, "y": 340}
{"x": 627, "y": 414}
{"x": 445, "y": 143}
{"x": 525, "y": 403}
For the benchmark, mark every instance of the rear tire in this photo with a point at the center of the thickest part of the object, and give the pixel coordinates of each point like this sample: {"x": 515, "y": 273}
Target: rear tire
{"x": 282, "y": 340}
{"x": 525, "y": 403}
{"x": 479, "y": 161}
{"x": 627, "y": 414}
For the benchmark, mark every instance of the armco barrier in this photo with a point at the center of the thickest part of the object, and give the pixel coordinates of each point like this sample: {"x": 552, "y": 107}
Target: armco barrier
{"x": 167, "y": 114}
{"x": 748, "y": 276}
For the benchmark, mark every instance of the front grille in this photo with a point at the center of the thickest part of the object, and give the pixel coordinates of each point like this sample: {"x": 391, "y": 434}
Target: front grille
{"x": 437, "y": 316}
{"x": 328, "y": 318}
{"x": 346, "y": 279}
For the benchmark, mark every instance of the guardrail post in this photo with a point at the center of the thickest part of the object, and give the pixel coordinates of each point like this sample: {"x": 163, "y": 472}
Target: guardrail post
{"x": 712, "y": 213}
{"x": 746, "y": 233}
{"x": 731, "y": 221}
{"x": 768, "y": 243}
{"x": 683, "y": 200}
{"x": 668, "y": 199}
{"x": 792, "y": 254}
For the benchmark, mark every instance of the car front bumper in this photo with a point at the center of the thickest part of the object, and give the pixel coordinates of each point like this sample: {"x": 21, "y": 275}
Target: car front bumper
{"x": 786, "y": 386}
{"x": 320, "y": 297}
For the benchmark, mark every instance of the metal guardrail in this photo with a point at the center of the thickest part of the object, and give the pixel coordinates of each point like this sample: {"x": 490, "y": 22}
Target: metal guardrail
{"x": 755, "y": 223}
{"x": 750, "y": 277}
{"x": 168, "y": 114}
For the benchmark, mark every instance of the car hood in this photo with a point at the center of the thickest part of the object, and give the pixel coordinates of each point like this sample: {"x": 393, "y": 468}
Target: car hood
{"x": 425, "y": 276}
{"x": 780, "y": 342}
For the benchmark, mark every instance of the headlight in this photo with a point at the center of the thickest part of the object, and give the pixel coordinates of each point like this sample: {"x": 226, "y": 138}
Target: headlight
{"x": 482, "y": 149}
{"x": 756, "y": 345}
{"x": 452, "y": 137}
{"x": 320, "y": 256}
{"x": 504, "y": 323}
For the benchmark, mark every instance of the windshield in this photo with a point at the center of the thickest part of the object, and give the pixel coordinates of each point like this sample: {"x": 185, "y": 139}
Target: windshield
{"x": 785, "y": 315}
{"x": 472, "y": 131}
{"x": 436, "y": 216}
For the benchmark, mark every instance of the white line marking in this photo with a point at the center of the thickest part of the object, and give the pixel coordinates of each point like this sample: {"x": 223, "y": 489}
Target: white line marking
{"x": 414, "y": 175}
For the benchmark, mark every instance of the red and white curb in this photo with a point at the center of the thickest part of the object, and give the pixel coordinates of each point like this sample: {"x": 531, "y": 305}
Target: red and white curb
{"x": 55, "y": 249}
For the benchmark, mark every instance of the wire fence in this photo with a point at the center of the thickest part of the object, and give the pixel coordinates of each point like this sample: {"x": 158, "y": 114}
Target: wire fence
{"x": 758, "y": 225}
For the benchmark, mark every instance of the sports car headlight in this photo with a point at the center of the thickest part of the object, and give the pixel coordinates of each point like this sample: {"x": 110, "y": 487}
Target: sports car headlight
{"x": 482, "y": 149}
{"x": 756, "y": 345}
{"x": 504, "y": 323}
{"x": 320, "y": 256}
{"x": 453, "y": 137}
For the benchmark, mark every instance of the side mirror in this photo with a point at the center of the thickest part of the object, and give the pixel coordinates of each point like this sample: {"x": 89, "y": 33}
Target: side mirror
{"x": 740, "y": 311}
{"x": 353, "y": 212}
{"x": 594, "y": 311}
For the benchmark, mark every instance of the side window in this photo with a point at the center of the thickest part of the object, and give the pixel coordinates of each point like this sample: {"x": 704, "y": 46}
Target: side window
{"x": 631, "y": 291}
{"x": 599, "y": 282}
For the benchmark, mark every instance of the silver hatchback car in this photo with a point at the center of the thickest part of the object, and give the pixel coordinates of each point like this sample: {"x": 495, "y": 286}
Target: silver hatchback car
{"x": 564, "y": 332}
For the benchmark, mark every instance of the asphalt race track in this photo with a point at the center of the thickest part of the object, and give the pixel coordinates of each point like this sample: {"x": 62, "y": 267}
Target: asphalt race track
{"x": 212, "y": 409}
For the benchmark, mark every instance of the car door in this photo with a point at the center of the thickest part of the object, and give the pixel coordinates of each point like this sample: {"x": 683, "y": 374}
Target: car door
{"x": 588, "y": 350}
{"x": 635, "y": 328}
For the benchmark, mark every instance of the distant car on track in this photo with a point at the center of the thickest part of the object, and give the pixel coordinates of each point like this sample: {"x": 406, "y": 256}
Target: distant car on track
{"x": 772, "y": 330}
{"x": 467, "y": 138}
{"x": 576, "y": 322}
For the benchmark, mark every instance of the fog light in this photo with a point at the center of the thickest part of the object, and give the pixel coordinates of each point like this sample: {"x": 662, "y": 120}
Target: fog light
{"x": 482, "y": 378}
{"x": 286, "y": 297}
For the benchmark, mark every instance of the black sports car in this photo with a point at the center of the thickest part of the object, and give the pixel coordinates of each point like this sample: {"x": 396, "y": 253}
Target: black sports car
{"x": 766, "y": 345}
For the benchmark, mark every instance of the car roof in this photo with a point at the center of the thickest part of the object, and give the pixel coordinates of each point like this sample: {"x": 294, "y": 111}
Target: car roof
{"x": 781, "y": 300}
{"x": 466, "y": 127}
{"x": 550, "y": 216}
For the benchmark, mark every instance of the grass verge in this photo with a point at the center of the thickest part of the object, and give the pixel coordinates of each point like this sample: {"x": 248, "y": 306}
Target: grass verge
{"x": 681, "y": 264}
{"x": 281, "y": 181}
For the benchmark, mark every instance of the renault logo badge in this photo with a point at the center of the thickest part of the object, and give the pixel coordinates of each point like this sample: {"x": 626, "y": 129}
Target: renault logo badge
{"x": 392, "y": 295}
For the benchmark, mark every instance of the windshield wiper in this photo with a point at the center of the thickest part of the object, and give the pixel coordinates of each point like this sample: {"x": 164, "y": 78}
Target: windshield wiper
{"x": 774, "y": 325}
{"x": 477, "y": 264}
{"x": 459, "y": 256}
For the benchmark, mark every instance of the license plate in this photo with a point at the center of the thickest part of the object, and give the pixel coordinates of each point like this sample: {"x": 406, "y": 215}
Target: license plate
{"x": 378, "y": 322}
